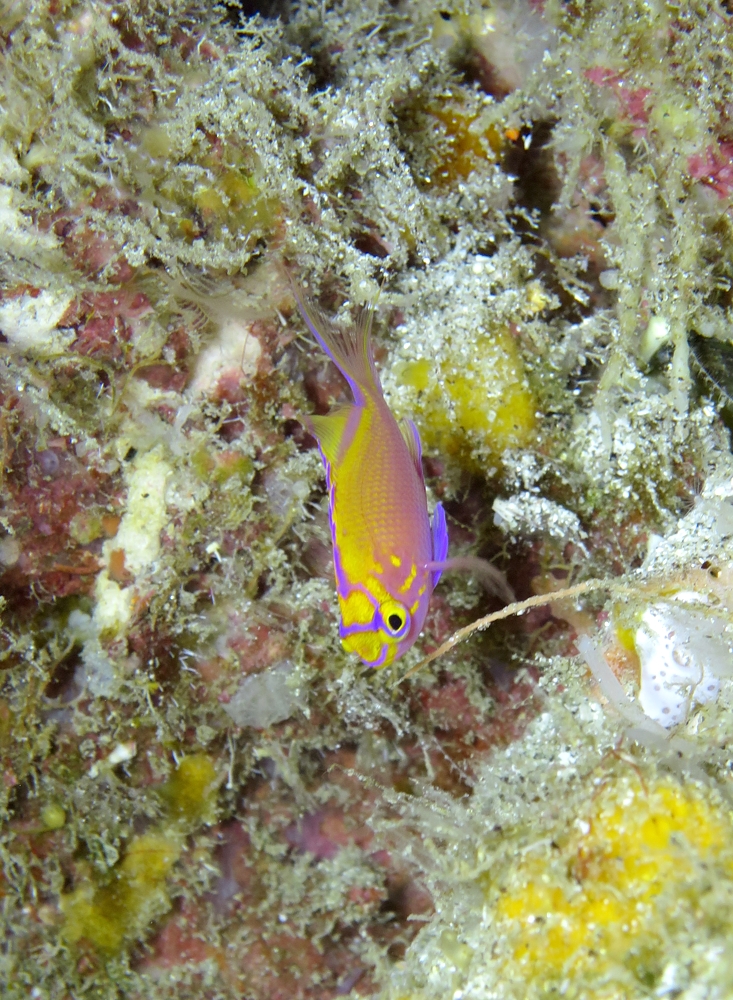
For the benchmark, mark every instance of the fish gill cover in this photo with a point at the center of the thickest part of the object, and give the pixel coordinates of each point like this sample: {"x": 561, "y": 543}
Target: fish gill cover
{"x": 203, "y": 795}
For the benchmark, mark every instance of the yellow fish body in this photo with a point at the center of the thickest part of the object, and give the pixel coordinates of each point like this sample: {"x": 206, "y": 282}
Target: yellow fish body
{"x": 386, "y": 557}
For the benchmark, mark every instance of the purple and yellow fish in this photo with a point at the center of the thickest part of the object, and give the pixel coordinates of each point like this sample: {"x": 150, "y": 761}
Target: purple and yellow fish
{"x": 387, "y": 560}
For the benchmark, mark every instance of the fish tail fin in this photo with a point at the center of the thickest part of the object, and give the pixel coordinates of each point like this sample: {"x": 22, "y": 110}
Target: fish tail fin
{"x": 350, "y": 349}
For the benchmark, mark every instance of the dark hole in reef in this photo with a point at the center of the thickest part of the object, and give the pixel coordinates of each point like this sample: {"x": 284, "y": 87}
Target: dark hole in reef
{"x": 155, "y": 262}
{"x": 237, "y": 11}
{"x": 713, "y": 362}
{"x": 9, "y": 657}
{"x": 661, "y": 360}
{"x": 369, "y": 242}
{"x": 324, "y": 68}
{"x": 18, "y": 797}
{"x": 301, "y": 436}
{"x": 572, "y": 310}
{"x": 130, "y": 454}
{"x": 537, "y": 183}
{"x": 487, "y": 248}
{"x": 61, "y": 685}
{"x": 406, "y": 898}
{"x": 263, "y": 585}
{"x": 600, "y": 214}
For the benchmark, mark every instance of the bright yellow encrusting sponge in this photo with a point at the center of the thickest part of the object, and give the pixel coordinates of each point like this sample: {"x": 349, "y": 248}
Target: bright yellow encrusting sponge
{"x": 136, "y": 893}
{"x": 603, "y": 906}
{"x": 473, "y": 406}
{"x": 608, "y": 900}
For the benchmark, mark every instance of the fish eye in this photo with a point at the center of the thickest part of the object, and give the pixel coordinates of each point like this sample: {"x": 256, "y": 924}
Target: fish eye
{"x": 395, "y": 617}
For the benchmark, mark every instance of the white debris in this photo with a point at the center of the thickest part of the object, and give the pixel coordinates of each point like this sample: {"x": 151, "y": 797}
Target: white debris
{"x": 684, "y": 653}
{"x": 138, "y": 537}
{"x": 145, "y": 514}
{"x": 235, "y": 351}
{"x": 122, "y": 753}
{"x": 530, "y": 514}
{"x": 32, "y": 321}
{"x": 99, "y": 673}
{"x": 263, "y": 699}
{"x": 9, "y": 551}
{"x": 656, "y": 335}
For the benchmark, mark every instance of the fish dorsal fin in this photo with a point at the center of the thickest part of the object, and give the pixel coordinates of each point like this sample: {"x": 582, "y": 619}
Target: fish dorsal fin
{"x": 412, "y": 439}
{"x": 335, "y": 431}
{"x": 440, "y": 539}
{"x": 349, "y": 348}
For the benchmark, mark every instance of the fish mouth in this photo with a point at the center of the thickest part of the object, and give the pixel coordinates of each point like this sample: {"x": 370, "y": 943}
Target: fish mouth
{"x": 381, "y": 660}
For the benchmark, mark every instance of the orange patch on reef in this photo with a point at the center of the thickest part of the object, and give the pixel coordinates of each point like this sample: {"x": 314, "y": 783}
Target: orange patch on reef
{"x": 465, "y": 148}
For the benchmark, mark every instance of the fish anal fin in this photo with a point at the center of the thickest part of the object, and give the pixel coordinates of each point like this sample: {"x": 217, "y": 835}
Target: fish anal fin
{"x": 335, "y": 431}
{"x": 412, "y": 439}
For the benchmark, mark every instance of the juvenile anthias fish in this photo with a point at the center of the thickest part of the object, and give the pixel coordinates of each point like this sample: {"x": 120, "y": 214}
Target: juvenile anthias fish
{"x": 386, "y": 557}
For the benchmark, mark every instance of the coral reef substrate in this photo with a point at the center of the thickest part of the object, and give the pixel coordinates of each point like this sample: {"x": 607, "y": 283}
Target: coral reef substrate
{"x": 202, "y": 794}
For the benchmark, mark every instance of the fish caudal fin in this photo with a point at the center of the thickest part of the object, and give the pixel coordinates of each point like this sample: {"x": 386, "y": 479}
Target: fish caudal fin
{"x": 350, "y": 349}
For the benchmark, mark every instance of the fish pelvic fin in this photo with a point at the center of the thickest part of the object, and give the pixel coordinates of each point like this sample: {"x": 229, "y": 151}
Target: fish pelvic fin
{"x": 492, "y": 579}
{"x": 349, "y": 348}
{"x": 335, "y": 431}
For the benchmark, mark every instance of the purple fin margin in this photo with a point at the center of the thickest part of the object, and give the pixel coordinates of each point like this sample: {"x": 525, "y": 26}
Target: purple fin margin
{"x": 440, "y": 539}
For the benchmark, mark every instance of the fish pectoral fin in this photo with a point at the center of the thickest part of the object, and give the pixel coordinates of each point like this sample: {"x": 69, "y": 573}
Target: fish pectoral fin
{"x": 412, "y": 439}
{"x": 440, "y": 540}
{"x": 335, "y": 430}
